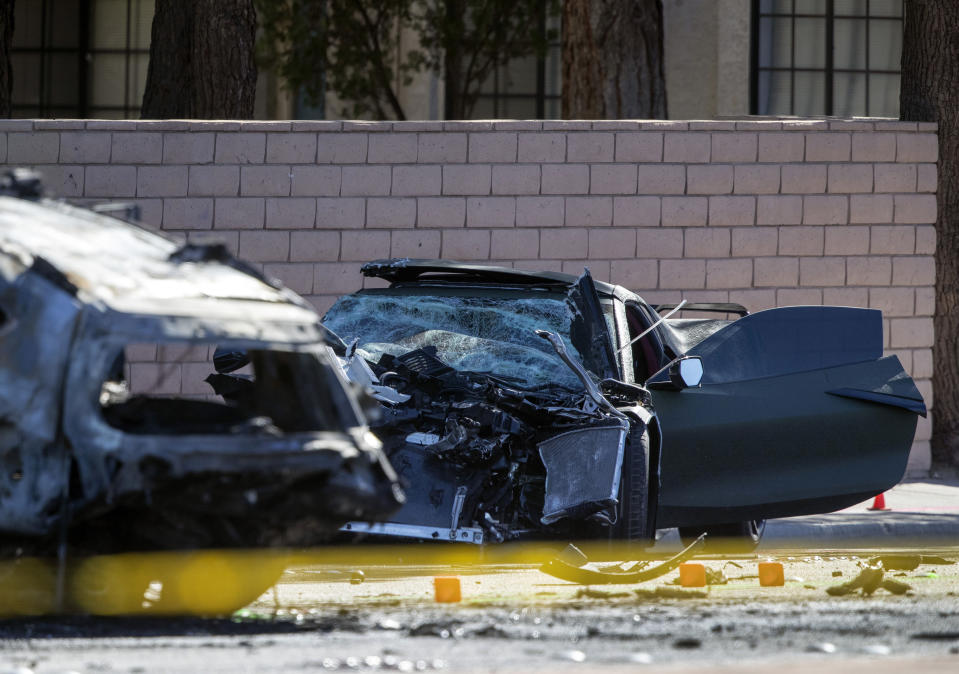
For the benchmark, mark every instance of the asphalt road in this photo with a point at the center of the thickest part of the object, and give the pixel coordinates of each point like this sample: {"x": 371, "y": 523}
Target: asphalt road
{"x": 512, "y": 617}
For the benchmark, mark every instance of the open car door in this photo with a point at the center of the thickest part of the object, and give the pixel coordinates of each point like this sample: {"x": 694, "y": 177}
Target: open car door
{"x": 798, "y": 413}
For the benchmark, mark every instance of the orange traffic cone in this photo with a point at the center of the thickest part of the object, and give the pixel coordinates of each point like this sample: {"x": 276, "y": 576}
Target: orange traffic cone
{"x": 879, "y": 503}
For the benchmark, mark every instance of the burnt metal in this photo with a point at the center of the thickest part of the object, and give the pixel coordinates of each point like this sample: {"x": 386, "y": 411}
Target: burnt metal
{"x": 284, "y": 457}
{"x": 21, "y": 183}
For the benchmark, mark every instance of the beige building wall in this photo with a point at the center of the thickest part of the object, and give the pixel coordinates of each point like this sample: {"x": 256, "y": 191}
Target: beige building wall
{"x": 706, "y": 45}
{"x": 764, "y": 213}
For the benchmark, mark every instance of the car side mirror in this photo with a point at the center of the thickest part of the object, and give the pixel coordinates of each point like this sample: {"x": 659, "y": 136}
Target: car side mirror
{"x": 686, "y": 372}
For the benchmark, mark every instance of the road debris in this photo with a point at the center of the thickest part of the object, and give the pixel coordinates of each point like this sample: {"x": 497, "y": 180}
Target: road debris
{"x": 590, "y": 593}
{"x": 573, "y": 556}
{"x": 895, "y": 586}
{"x": 560, "y": 569}
{"x": 907, "y": 562}
{"x": 824, "y": 647}
{"x": 574, "y": 656}
{"x": 667, "y": 592}
{"x": 936, "y": 636}
{"x": 867, "y": 582}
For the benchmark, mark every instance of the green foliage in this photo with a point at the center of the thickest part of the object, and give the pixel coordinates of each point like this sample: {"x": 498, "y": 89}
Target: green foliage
{"x": 351, "y": 46}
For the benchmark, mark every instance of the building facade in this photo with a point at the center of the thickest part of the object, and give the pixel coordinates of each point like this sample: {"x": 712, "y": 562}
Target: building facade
{"x": 88, "y": 59}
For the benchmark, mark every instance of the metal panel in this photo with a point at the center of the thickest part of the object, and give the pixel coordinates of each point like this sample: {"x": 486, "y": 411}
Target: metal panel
{"x": 583, "y": 468}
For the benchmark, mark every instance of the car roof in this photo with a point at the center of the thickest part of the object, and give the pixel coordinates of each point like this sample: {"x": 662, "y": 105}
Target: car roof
{"x": 409, "y": 270}
{"x": 101, "y": 259}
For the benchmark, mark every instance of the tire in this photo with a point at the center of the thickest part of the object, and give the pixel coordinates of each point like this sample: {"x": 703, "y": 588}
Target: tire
{"x": 735, "y": 537}
{"x": 633, "y": 514}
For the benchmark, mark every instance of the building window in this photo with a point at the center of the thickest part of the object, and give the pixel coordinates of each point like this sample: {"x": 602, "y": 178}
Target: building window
{"x": 826, "y": 57}
{"x": 525, "y": 88}
{"x": 80, "y": 58}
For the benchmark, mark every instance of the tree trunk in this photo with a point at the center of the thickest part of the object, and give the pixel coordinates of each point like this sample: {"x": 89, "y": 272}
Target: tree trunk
{"x": 169, "y": 86}
{"x": 224, "y": 72}
{"x": 930, "y": 70}
{"x": 613, "y": 59}
{"x": 201, "y": 60}
{"x": 6, "y": 73}
{"x": 453, "y": 65}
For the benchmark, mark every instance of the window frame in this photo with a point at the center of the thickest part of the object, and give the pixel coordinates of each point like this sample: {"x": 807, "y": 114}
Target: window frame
{"x": 829, "y": 70}
{"x": 85, "y": 52}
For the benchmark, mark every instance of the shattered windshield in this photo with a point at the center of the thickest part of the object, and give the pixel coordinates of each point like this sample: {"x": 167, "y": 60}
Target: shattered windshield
{"x": 491, "y": 334}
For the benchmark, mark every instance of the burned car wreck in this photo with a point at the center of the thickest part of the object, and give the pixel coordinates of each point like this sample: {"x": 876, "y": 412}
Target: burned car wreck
{"x": 92, "y": 457}
{"x": 519, "y": 405}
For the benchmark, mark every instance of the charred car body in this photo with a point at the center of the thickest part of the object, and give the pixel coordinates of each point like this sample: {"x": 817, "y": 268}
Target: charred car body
{"x": 535, "y": 404}
{"x": 92, "y": 462}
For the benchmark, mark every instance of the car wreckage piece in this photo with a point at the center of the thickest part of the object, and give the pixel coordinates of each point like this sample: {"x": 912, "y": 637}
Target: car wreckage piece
{"x": 89, "y": 460}
{"x": 497, "y": 436}
{"x": 559, "y": 568}
{"x": 503, "y": 432}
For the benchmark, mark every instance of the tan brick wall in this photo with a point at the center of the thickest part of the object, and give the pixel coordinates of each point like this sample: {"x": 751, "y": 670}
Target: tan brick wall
{"x": 763, "y": 212}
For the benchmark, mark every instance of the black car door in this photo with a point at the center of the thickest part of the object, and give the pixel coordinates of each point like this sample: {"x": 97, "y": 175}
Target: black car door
{"x": 797, "y": 413}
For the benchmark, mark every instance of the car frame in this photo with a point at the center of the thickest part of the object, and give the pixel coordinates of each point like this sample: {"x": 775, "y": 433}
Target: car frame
{"x": 797, "y": 411}
{"x": 94, "y": 463}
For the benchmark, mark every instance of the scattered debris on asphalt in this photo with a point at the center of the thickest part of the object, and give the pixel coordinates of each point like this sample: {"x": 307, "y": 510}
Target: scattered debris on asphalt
{"x": 895, "y": 586}
{"x": 824, "y": 647}
{"x": 560, "y": 569}
{"x": 936, "y": 636}
{"x": 590, "y": 593}
{"x": 574, "y": 656}
{"x": 867, "y": 582}
{"x": 907, "y": 562}
{"x": 667, "y": 592}
{"x": 573, "y": 556}
{"x": 716, "y": 577}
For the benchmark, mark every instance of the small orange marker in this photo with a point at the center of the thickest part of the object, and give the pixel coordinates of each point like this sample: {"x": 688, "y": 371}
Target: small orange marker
{"x": 692, "y": 575}
{"x": 771, "y": 574}
{"x": 447, "y": 589}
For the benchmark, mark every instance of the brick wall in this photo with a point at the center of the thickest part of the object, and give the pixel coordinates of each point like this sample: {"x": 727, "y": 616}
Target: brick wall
{"x": 760, "y": 212}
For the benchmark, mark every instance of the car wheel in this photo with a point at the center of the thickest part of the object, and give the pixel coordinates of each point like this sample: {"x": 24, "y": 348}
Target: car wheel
{"x": 633, "y": 514}
{"x": 732, "y": 537}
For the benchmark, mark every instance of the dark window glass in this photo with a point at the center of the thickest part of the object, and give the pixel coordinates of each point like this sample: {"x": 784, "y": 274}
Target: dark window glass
{"x": 826, "y": 57}
{"x": 80, "y": 58}
{"x": 524, "y": 88}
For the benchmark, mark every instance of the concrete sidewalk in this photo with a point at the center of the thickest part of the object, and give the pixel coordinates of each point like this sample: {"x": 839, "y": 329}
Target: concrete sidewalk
{"x": 920, "y": 512}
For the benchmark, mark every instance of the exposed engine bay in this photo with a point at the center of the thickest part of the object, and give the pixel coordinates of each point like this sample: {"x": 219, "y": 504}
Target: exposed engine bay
{"x": 492, "y": 422}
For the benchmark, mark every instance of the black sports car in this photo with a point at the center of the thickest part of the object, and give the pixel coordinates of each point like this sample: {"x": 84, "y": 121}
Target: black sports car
{"x": 536, "y": 404}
